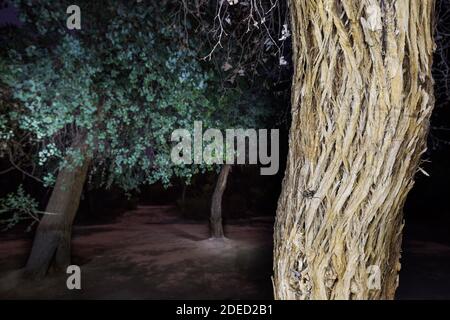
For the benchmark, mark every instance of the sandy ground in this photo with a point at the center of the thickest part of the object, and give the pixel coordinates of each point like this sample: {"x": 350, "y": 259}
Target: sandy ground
{"x": 425, "y": 270}
{"x": 151, "y": 253}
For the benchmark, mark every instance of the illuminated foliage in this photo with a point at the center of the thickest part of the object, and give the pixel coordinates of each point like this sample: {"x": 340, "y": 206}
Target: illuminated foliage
{"x": 125, "y": 81}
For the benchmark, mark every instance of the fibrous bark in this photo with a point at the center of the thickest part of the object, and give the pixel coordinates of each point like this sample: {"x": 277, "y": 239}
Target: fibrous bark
{"x": 216, "y": 204}
{"x": 53, "y": 235}
{"x": 361, "y": 102}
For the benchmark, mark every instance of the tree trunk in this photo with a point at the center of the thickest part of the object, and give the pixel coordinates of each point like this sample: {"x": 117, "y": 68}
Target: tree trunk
{"x": 216, "y": 205}
{"x": 361, "y": 102}
{"x": 53, "y": 235}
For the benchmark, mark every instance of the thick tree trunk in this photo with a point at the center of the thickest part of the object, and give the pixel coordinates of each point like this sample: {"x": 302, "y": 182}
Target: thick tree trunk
{"x": 216, "y": 204}
{"x": 361, "y": 102}
{"x": 53, "y": 235}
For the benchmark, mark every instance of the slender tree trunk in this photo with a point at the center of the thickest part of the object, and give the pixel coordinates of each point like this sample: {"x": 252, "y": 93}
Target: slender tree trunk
{"x": 216, "y": 204}
{"x": 53, "y": 235}
{"x": 361, "y": 102}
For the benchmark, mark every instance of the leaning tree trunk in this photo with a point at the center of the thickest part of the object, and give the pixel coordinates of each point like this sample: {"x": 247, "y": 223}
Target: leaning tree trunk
{"x": 216, "y": 204}
{"x": 361, "y": 102}
{"x": 53, "y": 235}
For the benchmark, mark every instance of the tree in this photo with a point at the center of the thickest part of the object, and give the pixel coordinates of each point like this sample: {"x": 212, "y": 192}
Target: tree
{"x": 245, "y": 67}
{"x": 246, "y": 110}
{"x": 216, "y": 226}
{"x": 99, "y": 105}
{"x": 362, "y": 96}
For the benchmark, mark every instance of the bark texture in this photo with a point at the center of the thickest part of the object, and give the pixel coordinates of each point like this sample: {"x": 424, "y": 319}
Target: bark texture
{"x": 361, "y": 102}
{"x": 216, "y": 204}
{"x": 53, "y": 235}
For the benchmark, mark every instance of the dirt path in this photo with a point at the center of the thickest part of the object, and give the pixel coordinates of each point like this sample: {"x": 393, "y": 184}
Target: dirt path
{"x": 150, "y": 253}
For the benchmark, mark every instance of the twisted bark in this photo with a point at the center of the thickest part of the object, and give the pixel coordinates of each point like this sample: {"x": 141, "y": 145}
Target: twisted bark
{"x": 361, "y": 101}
